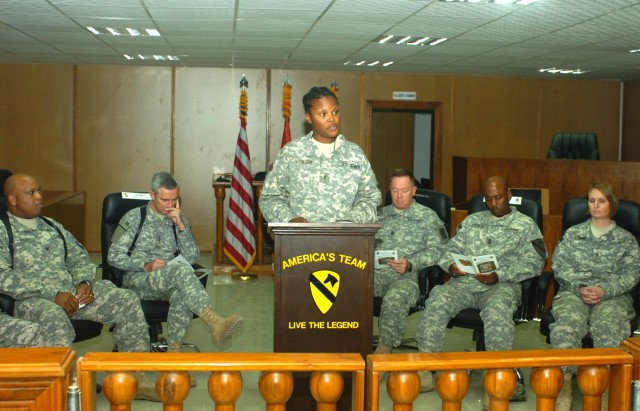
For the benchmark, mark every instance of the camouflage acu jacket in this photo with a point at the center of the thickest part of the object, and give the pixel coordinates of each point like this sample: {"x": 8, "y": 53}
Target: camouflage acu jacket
{"x": 515, "y": 239}
{"x": 417, "y": 234}
{"x": 304, "y": 183}
{"x": 611, "y": 261}
{"x": 40, "y": 269}
{"x": 156, "y": 240}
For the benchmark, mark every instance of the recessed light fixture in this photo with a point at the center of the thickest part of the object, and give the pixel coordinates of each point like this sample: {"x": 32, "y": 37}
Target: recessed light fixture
{"x": 408, "y": 40}
{"x": 555, "y": 70}
{"x": 368, "y": 63}
{"x": 156, "y": 57}
{"x": 126, "y": 31}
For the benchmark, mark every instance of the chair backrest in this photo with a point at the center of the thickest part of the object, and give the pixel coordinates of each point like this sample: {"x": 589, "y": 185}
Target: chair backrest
{"x": 438, "y": 202}
{"x": 526, "y": 206}
{"x": 4, "y": 174}
{"x": 114, "y": 207}
{"x": 576, "y": 211}
{"x": 578, "y": 146}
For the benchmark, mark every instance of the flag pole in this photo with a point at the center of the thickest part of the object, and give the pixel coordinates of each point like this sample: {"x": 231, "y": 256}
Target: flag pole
{"x": 240, "y": 240}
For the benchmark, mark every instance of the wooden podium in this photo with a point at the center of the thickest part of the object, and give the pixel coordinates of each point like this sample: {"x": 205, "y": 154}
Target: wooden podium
{"x": 323, "y": 294}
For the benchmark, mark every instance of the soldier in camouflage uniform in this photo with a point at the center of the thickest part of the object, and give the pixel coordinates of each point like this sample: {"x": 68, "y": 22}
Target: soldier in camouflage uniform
{"x": 416, "y": 233}
{"x": 596, "y": 266}
{"x": 517, "y": 243}
{"x": 15, "y": 333}
{"x": 50, "y": 275}
{"x": 321, "y": 177}
{"x": 165, "y": 234}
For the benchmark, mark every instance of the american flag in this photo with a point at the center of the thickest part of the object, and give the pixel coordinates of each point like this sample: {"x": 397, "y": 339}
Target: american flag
{"x": 240, "y": 238}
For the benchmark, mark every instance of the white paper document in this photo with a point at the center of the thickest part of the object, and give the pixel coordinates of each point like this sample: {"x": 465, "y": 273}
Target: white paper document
{"x": 200, "y": 272}
{"x": 481, "y": 264}
{"x": 382, "y": 257}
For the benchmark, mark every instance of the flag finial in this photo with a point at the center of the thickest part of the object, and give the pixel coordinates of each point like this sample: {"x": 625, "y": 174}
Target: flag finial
{"x": 244, "y": 83}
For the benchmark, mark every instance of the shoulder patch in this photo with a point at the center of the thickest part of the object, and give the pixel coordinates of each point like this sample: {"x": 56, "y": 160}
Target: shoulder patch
{"x": 126, "y": 224}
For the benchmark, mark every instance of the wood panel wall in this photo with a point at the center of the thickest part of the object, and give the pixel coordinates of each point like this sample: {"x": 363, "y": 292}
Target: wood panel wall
{"x": 631, "y": 125}
{"x": 130, "y": 122}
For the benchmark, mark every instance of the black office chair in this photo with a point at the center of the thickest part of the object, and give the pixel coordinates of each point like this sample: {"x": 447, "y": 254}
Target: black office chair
{"x": 576, "y": 211}
{"x": 575, "y": 146}
{"x": 114, "y": 207}
{"x": 469, "y": 318}
{"x": 441, "y": 204}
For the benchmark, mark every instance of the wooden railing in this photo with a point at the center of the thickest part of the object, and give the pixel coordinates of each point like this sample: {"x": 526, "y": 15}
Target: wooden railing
{"x": 598, "y": 369}
{"x": 225, "y": 381}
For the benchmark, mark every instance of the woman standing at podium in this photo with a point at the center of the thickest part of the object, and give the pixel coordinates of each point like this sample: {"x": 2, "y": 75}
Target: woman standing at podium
{"x": 321, "y": 177}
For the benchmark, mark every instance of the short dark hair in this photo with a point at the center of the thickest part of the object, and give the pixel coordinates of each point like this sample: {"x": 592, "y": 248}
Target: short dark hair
{"x": 164, "y": 180}
{"x": 607, "y": 190}
{"x": 314, "y": 94}
{"x": 403, "y": 172}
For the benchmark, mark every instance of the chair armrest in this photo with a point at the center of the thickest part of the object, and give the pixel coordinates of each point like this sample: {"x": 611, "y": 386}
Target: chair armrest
{"x": 528, "y": 300}
{"x": 6, "y": 304}
{"x": 545, "y": 281}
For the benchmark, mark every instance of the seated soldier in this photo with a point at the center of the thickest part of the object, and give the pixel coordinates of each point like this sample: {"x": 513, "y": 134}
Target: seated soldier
{"x": 416, "y": 234}
{"x": 49, "y": 274}
{"x": 516, "y": 241}
{"x": 596, "y": 267}
{"x": 143, "y": 248}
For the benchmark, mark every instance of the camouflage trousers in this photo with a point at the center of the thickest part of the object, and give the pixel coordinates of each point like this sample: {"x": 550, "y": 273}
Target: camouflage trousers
{"x": 112, "y": 306}
{"x": 496, "y": 306}
{"x": 16, "y": 333}
{"x": 178, "y": 285}
{"x": 399, "y": 293}
{"x": 607, "y": 322}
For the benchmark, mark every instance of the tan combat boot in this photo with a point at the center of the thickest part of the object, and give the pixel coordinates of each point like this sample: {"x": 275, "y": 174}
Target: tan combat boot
{"x": 222, "y": 329}
{"x": 426, "y": 381}
{"x": 563, "y": 402}
{"x": 383, "y": 348}
{"x": 146, "y": 389}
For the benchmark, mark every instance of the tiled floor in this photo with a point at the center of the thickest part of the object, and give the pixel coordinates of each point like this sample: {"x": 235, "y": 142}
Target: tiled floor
{"x": 254, "y": 301}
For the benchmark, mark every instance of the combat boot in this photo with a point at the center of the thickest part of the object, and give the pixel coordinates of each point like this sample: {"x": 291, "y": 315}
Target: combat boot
{"x": 222, "y": 329}
{"x": 146, "y": 389}
{"x": 383, "y": 348}
{"x": 177, "y": 347}
{"x": 563, "y": 402}
{"x": 426, "y": 381}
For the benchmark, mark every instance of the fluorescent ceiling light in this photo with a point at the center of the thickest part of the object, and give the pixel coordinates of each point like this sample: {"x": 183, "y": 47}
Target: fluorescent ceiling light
{"x": 373, "y": 63}
{"x": 124, "y": 31}
{"x": 634, "y": 51}
{"x": 388, "y": 63}
{"x": 555, "y": 70}
{"x": 385, "y": 39}
{"x": 438, "y": 41}
{"x": 402, "y": 40}
{"x": 418, "y": 42}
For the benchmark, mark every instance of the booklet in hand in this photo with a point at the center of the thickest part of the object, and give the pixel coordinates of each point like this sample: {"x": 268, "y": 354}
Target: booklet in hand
{"x": 481, "y": 264}
{"x": 382, "y": 257}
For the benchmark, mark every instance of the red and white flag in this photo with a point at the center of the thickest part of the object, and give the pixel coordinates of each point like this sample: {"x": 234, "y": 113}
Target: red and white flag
{"x": 240, "y": 238}
{"x": 286, "y": 112}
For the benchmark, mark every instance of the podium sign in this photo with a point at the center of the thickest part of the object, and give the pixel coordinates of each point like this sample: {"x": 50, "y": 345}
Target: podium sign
{"x": 323, "y": 287}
